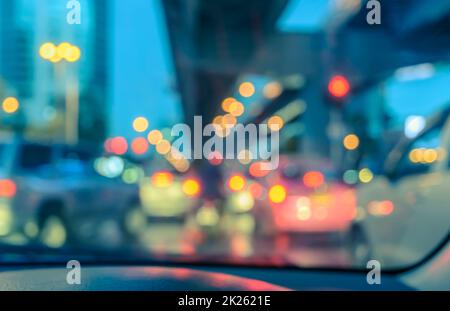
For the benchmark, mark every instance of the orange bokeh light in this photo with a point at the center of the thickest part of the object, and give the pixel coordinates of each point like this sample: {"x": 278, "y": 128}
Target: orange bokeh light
{"x": 339, "y": 86}
{"x": 313, "y": 179}
{"x": 7, "y": 188}
{"x": 119, "y": 145}
{"x": 257, "y": 170}
{"x": 139, "y": 145}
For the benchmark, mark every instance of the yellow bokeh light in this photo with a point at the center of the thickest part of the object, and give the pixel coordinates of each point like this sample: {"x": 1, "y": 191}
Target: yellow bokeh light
{"x": 365, "y": 175}
{"x": 181, "y": 165}
{"x": 247, "y": 89}
{"x": 272, "y": 90}
{"x": 424, "y": 156}
{"x": 236, "y": 109}
{"x": 163, "y": 147}
{"x": 191, "y": 187}
{"x": 277, "y": 194}
{"x": 155, "y": 137}
{"x": 140, "y": 124}
{"x": 415, "y": 155}
{"x": 63, "y": 49}
{"x": 10, "y": 105}
{"x": 228, "y": 120}
{"x": 430, "y": 156}
{"x": 275, "y": 123}
{"x": 73, "y": 54}
{"x": 218, "y": 120}
{"x": 56, "y": 58}
{"x": 351, "y": 142}
{"x": 236, "y": 183}
{"x": 47, "y": 50}
{"x": 226, "y": 103}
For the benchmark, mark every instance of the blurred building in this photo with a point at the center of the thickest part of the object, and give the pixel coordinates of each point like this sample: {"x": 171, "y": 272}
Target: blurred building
{"x": 42, "y": 86}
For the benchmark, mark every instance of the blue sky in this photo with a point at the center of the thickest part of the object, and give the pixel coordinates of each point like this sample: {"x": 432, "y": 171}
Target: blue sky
{"x": 304, "y": 15}
{"x": 143, "y": 76}
{"x": 419, "y": 97}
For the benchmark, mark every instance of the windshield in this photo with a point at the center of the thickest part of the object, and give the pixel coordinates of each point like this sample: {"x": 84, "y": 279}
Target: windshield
{"x": 289, "y": 132}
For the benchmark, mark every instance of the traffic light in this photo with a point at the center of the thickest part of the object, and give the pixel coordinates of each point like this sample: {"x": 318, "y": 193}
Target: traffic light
{"x": 338, "y": 87}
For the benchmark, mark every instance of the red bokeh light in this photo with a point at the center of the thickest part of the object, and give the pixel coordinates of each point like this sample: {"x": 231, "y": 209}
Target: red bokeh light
{"x": 139, "y": 146}
{"x": 107, "y": 145}
{"x": 7, "y": 188}
{"x": 313, "y": 179}
{"x": 257, "y": 170}
{"x": 215, "y": 158}
{"x": 339, "y": 86}
{"x": 119, "y": 145}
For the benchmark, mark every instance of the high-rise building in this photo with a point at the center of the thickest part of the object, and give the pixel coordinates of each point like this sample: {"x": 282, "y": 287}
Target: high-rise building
{"x": 42, "y": 86}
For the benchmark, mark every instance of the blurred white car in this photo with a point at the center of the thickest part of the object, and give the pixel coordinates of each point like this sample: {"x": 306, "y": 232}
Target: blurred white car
{"x": 407, "y": 210}
{"x": 53, "y": 194}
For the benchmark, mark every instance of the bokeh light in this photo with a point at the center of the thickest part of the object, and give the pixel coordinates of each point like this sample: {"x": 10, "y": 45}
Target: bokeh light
{"x": 162, "y": 179}
{"x": 73, "y": 54}
{"x": 277, "y": 194}
{"x": 313, "y": 179}
{"x": 155, "y": 137}
{"x": 236, "y": 183}
{"x": 191, "y": 187}
{"x": 275, "y": 123}
{"x": 140, "y": 124}
{"x": 139, "y": 146}
{"x": 272, "y": 90}
{"x": 365, "y": 175}
{"x": 236, "y": 109}
{"x": 257, "y": 170}
{"x": 226, "y": 103}
{"x": 62, "y": 50}
{"x": 10, "y": 105}
{"x": 246, "y": 89}
{"x": 339, "y": 86}
{"x": 163, "y": 147}
{"x": 351, "y": 142}
{"x": 47, "y": 50}
{"x": 119, "y": 145}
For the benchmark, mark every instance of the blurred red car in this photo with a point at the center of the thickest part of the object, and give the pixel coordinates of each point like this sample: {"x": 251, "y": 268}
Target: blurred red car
{"x": 307, "y": 196}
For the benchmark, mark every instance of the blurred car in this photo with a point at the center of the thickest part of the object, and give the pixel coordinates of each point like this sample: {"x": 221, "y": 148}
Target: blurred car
{"x": 304, "y": 200}
{"x": 406, "y": 209}
{"x": 53, "y": 194}
{"x": 166, "y": 195}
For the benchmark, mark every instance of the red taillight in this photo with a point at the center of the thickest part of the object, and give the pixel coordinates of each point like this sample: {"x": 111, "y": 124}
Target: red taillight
{"x": 7, "y": 188}
{"x": 162, "y": 179}
{"x": 277, "y": 194}
{"x": 191, "y": 187}
{"x": 313, "y": 179}
{"x": 339, "y": 86}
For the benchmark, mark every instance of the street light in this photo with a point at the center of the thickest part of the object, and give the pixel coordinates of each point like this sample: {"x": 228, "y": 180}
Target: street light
{"x": 10, "y": 105}
{"x": 71, "y": 54}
